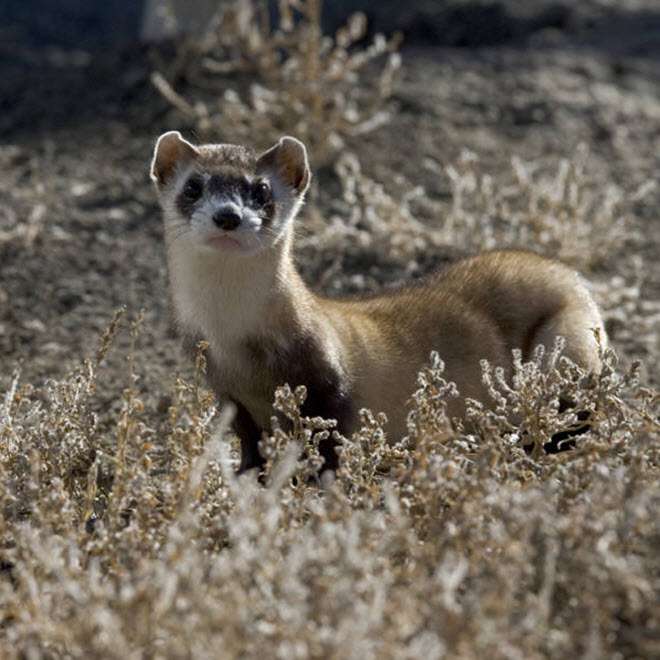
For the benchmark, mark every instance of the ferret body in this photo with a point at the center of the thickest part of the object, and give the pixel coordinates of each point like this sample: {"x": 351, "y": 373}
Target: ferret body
{"x": 228, "y": 215}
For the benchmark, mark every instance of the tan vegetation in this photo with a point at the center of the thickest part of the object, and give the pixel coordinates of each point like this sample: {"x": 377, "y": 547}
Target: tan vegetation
{"x": 124, "y": 532}
{"x": 139, "y": 540}
{"x": 300, "y": 81}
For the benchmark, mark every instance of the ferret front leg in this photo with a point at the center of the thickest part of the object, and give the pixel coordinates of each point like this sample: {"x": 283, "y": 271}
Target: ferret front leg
{"x": 250, "y": 434}
{"x": 330, "y": 403}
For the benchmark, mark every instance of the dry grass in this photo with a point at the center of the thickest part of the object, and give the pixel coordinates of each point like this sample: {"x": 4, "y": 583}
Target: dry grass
{"x": 301, "y": 81}
{"x": 128, "y": 535}
{"x": 566, "y": 213}
{"x": 138, "y": 540}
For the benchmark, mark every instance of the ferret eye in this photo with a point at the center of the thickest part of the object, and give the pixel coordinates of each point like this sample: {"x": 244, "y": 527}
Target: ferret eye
{"x": 193, "y": 189}
{"x": 261, "y": 192}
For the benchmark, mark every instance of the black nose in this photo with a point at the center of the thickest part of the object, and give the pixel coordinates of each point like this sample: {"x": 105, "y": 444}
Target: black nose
{"x": 227, "y": 220}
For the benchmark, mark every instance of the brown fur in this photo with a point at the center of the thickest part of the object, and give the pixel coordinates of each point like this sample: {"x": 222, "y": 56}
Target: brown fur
{"x": 481, "y": 307}
{"x": 266, "y": 328}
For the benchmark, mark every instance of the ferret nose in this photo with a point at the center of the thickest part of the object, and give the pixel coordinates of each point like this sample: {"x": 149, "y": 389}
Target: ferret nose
{"x": 227, "y": 220}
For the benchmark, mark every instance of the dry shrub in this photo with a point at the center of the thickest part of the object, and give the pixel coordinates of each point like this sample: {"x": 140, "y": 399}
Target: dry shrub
{"x": 376, "y": 233}
{"x": 568, "y": 214}
{"x": 369, "y": 218}
{"x": 134, "y": 537}
{"x": 137, "y": 539}
{"x": 369, "y": 235}
{"x": 301, "y": 81}
{"x": 631, "y": 314}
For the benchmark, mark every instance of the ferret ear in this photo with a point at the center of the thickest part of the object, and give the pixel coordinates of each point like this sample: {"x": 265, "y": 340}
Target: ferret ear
{"x": 171, "y": 150}
{"x": 288, "y": 159}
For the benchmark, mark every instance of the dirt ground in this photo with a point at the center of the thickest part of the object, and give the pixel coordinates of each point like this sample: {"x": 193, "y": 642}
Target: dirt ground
{"x": 80, "y": 232}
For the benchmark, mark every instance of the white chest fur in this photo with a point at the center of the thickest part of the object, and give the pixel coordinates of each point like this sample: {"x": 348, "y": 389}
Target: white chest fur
{"x": 223, "y": 297}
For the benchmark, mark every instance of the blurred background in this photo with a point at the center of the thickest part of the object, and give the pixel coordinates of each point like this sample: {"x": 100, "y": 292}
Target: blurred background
{"x": 53, "y": 45}
{"x": 436, "y": 128}
{"x": 627, "y": 25}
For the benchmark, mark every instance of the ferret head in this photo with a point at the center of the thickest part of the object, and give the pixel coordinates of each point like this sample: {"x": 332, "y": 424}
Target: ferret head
{"x": 223, "y": 197}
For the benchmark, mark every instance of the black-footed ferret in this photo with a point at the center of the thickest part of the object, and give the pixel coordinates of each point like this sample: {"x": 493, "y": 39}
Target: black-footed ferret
{"x": 229, "y": 213}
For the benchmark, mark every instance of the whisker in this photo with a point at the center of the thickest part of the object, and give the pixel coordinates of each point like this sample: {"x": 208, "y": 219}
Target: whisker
{"x": 176, "y": 232}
